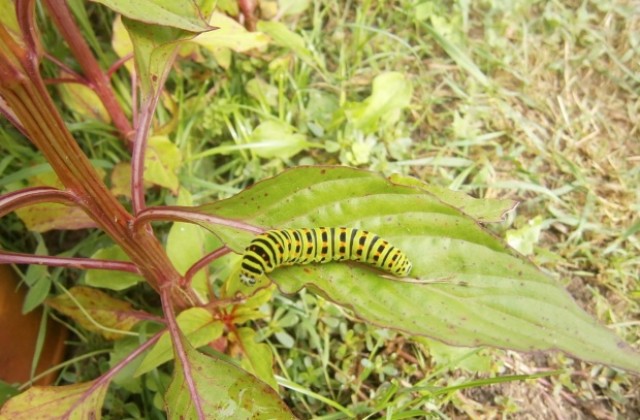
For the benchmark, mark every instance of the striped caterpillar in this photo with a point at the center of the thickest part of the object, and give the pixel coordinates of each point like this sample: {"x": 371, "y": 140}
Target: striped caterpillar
{"x": 274, "y": 248}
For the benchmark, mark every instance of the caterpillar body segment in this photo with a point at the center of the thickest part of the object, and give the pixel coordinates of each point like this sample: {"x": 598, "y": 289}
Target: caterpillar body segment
{"x": 275, "y": 248}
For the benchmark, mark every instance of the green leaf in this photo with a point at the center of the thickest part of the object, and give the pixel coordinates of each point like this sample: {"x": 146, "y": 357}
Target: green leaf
{"x": 230, "y": 34}
{"x": 96, "y": 311}
{"x": 38, "y": 280}
{"x": 525, "y": 238}
{"x": 467, "y": 288}
{"x": 186, "y": 245}
{"x": 78, "y": 401}
{"x": 154, "y": 49}
{"x": 223, "y": 390}
{"x": 182, "y": 14}
{"x": 283, "y": 37}
{"x": 162, "y": 160}
{"x": 258, "y": 358}
{"x": 197, "y": 324}
{"x": 111, "y": 279}
{"x": 486, "y": 210}
{"x": 83, "y": 101}
{"x": 391, "y": 92}
{"x": 273, "y": 139}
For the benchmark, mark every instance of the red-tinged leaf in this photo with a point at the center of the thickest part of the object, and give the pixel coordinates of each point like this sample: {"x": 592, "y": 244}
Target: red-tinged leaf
{"x": 221, "y": 389}
{"x": 108, "y": 315}
{"x": 79, "y": 401}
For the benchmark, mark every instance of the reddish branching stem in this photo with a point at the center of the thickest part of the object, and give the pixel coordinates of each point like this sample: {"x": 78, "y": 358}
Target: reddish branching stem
{"x": 189, "y": 215}
{"x": 67, "y": 262}
{"x": 203, "y": 262}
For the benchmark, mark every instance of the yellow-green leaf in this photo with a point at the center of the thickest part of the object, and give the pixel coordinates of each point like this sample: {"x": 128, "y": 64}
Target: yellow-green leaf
{"x": 96, "y": 311}
{"x": 75, "y": 402}
{"x": 273, "y": 139}
{"x": 230, "y": 34}
{"x": 83, "y": 101}
{"x": 258, "y": 358}
{"x": 48, "y": 216}
{"x": 391, "y": 92}
{"x": 162, "y": 160}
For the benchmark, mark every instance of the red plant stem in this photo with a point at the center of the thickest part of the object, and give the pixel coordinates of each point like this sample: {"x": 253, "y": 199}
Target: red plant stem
{"x": 247, "y": 7}
{"x": 188, "y": 215}
{"x": 61, "y": 16}
{"x": 79, "y": 263}
{"x": 115, "y": 66}
{"x": 203, "y": 262}
{"x": 180, "y": 353}
{"x": 28, "y": 196}
{"x": 137, "y": 158}
{"x": 66, "y": 69}
{"x": 25, "y": 93}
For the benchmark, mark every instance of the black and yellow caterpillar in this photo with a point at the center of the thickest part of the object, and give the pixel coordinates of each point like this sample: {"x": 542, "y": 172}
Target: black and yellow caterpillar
{"x": 274, "y": 248}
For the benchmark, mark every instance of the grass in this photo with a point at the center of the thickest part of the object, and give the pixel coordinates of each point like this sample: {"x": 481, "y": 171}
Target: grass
{"x": 531, "y": 100}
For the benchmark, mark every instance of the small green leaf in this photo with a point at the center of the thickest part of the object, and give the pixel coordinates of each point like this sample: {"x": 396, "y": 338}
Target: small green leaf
{"x": 78, "y": 401}
{"x": 273, "y": 139}
{"x": 111, "y": 279}
{"x": 96, "y": 311}
{"x": 181, "y": 14}
{"x": 197, "y": 324}
{"x": 83, "y": 101}
{"x": 37, "y": 294}
{"x": 283, "y": 37}
{"x": 262, "y": 91}
{"x": 391, "y": 92}
{"x": 258, "y": 358}
{"x": 222, "y": 389}
{"x": 162, "y": 160}
{"x": 121, "y": 179}
{"x": 121, "y": 42}
{"x": 525, "y": 238}
{"x": 186, "y": 245}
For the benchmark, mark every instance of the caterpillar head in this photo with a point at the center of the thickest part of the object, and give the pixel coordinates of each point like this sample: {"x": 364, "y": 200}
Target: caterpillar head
{"x": 247, "y": 278}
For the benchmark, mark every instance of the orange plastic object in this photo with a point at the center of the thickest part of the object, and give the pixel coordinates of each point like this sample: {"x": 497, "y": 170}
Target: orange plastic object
{"x": 18, "y": 335}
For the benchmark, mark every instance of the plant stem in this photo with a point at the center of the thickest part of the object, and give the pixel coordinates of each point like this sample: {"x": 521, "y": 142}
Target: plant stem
{"x": 80, "y": 263}
{"x": 25, "y": 93}
{"x": 61, "y": 16}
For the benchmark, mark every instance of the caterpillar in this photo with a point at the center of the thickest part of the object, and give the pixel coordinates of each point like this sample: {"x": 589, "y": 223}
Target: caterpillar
{"x": 274, "y": 248}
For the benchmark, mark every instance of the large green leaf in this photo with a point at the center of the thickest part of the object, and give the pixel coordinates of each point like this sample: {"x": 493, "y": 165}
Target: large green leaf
{"x": 468, "y": 288}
